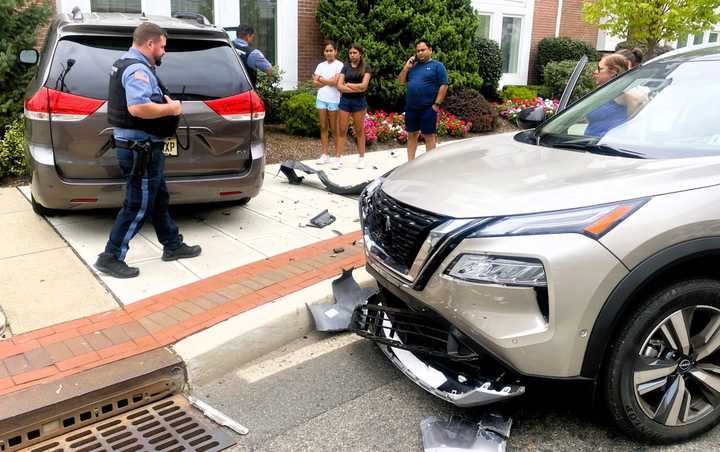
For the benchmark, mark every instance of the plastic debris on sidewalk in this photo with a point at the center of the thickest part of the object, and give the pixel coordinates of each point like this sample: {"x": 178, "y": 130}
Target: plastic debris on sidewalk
{"x": 288, "y": 169}
{"x": 348, "y": 295}
{"x": 322, "y": 219}
{"x": 455, "y": 434}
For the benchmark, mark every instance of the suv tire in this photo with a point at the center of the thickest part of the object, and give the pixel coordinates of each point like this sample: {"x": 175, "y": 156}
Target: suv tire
{"x": 648, "y": 375}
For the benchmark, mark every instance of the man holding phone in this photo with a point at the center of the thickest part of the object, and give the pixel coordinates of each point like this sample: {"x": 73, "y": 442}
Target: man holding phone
{"x": 427, "y": 84}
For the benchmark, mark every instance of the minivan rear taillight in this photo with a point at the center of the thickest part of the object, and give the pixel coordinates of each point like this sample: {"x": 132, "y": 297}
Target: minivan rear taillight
{"x": 63, "y": 106}
{"x": 237, "y": 108}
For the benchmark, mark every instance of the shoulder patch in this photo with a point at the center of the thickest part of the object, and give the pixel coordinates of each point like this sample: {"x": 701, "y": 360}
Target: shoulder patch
{"x": 140, "y": 75}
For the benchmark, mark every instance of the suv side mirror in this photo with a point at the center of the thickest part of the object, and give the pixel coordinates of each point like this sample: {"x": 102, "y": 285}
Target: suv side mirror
{"x": 529, "y": 118}
{"x": 30, "y": 56}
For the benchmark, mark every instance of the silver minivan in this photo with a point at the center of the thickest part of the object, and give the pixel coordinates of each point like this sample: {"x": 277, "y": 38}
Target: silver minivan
{"x": 218, "y": 153}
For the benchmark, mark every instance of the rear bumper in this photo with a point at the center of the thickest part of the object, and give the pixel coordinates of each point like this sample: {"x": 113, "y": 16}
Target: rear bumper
{"x": 53, "y": 192}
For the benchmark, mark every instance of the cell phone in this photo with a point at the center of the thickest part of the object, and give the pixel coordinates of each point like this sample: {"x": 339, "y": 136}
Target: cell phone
{"x": 413, "y": 59}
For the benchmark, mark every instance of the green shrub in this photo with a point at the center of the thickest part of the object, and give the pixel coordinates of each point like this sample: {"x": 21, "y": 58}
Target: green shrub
{"x": 472, "y": 106}
{"x": 20, "y": 21}
{"x": 301, "y": 116}
{"x": 557, "y": 74}
{"x": 388, "y": 29}
{"x": 518, "y": 92}
{"x": 13, "y": 160}
{"x": 268, "y": 88}
{"x": 559, "y": 49}
{"x": 490, "y": 66}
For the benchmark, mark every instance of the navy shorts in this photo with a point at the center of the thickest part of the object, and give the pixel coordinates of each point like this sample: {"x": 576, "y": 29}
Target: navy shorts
{"x": 423, "y": 119}
{"x": 353, "y": 105}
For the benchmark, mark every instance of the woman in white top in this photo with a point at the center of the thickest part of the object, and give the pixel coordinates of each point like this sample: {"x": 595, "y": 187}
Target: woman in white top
{"x": 328, "y": 97}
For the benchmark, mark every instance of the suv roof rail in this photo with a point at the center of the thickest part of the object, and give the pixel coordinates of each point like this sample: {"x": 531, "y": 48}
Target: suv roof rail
{"x": 186, "y": 15}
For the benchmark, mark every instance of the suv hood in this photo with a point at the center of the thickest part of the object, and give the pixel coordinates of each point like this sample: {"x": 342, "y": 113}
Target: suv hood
{"x": 496, "y": 175}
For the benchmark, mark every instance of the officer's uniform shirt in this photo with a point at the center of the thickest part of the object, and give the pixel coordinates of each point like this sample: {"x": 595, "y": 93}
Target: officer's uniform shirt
{"x": 256, "y": 60}
{"x": 141, "y": 87}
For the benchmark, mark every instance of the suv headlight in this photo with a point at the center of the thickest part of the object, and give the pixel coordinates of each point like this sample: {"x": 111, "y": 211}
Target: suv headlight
{"x": 592, "y": 221}
{"x": 515, "y": 271}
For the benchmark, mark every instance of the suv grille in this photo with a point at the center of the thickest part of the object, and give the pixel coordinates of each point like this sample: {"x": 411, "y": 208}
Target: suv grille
{"x": 398, "y": 229}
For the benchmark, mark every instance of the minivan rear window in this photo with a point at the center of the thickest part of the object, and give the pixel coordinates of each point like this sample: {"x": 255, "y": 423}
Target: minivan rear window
{"x": 203, "y": 69}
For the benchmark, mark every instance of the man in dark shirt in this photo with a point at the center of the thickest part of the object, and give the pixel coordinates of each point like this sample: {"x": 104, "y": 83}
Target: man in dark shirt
{"x": 427, "y": 83}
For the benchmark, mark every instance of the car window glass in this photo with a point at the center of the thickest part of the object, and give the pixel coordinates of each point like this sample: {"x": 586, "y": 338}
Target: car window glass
{"x": 190, "y": 64}
{"x": 660, "y": 110}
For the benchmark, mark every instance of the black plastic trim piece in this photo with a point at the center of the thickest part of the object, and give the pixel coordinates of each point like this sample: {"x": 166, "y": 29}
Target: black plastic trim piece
{"x": 615, "y": 306}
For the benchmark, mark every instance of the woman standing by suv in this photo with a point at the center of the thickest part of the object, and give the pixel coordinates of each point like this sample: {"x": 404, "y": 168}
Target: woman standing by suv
{"x": 325, "y": 79}
{"x": 352, "y": 83}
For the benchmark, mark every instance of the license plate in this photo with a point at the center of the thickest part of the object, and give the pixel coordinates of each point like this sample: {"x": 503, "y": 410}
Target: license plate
{"x": 170, "y": 149}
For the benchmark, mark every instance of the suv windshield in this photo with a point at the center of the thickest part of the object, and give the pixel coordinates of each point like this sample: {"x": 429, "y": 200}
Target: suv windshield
{"x": 665, "y": 109}
{"x": 189, "y": 64}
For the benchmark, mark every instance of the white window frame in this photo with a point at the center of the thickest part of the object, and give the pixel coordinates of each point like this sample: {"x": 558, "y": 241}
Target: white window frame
{"x": 523, "y": 9}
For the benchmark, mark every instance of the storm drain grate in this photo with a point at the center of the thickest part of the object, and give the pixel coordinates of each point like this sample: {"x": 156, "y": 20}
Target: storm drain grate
{"x": 168, "y": 425}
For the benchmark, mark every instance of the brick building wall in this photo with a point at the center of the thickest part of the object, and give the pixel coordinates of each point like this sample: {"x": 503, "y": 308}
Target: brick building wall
{"x": 572, "y": 25}
{"x": 309, "y": 40}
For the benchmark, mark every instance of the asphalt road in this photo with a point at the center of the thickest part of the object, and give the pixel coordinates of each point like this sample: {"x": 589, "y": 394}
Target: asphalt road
{"x": 330, "y": 393}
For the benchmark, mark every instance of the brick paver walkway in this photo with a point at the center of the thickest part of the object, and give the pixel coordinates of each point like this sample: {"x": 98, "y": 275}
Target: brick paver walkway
{"x": 51, "y": 353}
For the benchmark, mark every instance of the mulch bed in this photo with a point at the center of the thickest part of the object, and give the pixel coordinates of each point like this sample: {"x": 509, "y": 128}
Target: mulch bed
{"x": 281, "y": 146}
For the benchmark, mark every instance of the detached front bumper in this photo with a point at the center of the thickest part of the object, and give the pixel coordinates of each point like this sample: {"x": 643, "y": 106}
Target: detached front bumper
{"x": 434, "y": 355}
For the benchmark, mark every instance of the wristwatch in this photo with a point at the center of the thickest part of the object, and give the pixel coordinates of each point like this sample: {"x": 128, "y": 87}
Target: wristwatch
{"x": 437, "y": 104}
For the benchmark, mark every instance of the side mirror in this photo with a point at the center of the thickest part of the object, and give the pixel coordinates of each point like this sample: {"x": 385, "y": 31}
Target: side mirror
{"x": 532, "y": 117}
{"x": 29, "y": 56}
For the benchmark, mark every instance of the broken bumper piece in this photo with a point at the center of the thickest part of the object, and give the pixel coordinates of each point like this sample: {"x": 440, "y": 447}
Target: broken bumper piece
{"x": 432, "y": 356}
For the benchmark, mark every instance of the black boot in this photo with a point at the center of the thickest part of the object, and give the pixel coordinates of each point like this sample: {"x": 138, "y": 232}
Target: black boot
{"x": 182, "y": 252}
{"x": 109, "y": 264}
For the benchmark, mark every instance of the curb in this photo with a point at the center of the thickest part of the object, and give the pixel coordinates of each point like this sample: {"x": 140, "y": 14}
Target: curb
{"x": 218, "y": 350}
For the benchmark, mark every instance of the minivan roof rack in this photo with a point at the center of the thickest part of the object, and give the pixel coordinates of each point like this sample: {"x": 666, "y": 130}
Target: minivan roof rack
{"x": 76, "y": 14}
{"x": 187, "y": 15}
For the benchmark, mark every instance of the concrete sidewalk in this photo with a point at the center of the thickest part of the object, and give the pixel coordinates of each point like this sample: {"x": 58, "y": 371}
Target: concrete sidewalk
{"x": 272, "y": 223}
{"x": 43, "y": 281}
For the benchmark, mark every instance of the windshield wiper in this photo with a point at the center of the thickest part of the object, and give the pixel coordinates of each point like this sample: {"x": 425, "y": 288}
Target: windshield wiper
{"x": 602, "y": 149}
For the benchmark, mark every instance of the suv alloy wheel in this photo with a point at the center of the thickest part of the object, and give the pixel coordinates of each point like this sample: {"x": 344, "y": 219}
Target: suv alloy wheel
{"x": 663, "y": 374}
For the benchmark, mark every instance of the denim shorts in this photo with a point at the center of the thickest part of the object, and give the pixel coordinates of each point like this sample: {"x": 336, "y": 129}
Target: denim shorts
{"x": 329, "y": 106}
{"x": 423, "y": 119}
{"x": 353, "y": 105}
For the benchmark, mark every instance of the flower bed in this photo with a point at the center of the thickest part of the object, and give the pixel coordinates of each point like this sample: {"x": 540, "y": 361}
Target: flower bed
{"x": 382, "y": 127}
{"x": 512, "y": 107}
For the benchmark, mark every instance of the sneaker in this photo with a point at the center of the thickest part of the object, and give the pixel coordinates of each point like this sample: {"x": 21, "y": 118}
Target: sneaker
{"x": 337, "y": 163}
{"x": 360, "y": 163}
{"x": 110, "y": 265}
{"x": 323, "y": 160}
{"x": 184, "y": 251}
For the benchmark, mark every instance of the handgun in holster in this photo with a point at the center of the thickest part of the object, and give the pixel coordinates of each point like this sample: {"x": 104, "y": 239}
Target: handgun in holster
{"x": 142, "y": 158}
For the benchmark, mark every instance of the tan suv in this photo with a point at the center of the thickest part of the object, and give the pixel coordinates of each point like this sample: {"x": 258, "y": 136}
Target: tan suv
{"x": 564, "y": 253}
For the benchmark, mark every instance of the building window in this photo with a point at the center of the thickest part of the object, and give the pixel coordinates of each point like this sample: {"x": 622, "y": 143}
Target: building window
{"x": 683, "y": 41}
{"x": 713, "y": 37}
{"x": 262, "y": 15}
{"x": 483, "y": 30}
{"x": 510, "y": 43}
{"x": 115, "y": 6}
{"x": 698, "y": 39}
{"x": 204, "y": 7}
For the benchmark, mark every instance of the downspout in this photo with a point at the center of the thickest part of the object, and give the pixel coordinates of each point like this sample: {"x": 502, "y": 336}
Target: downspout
{"x": 558, "y": 18}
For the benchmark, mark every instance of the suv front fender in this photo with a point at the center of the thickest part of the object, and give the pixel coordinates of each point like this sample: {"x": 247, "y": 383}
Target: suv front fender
{"x": 625, "y": 296}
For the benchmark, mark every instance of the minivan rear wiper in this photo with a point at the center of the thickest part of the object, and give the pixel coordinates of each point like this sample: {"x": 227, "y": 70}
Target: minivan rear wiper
{"x": 602, "y": 149}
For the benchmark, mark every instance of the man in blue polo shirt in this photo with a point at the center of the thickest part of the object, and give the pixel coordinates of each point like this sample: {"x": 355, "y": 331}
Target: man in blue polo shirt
{"x": 427, "y": 83}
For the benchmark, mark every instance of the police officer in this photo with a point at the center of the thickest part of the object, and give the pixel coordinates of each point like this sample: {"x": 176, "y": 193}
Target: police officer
{"x": 252, "y": 58}
{"x": 143, "y": 116}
